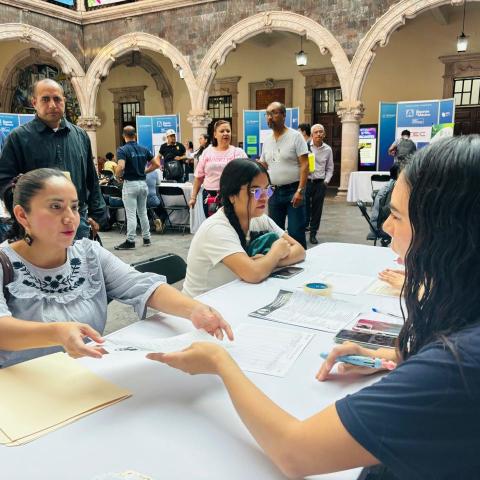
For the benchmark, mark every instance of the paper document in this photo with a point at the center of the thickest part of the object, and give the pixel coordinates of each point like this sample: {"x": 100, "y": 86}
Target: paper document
{"x": 123, "y": 341}
{"x": 348, "y": 284}
{"x": 47, "y": 393}
{"x": 311, "y": 311}
{"x": 267, "y": 350}
{"x": 380, "y": 287}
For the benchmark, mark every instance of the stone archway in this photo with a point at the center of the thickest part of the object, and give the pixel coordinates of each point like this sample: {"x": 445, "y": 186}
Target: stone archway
{"x": 264, "y": 23}
{"x": 136, "y": 41}
{"x": 379, "y": 35}
{"x": 57, "y": 52}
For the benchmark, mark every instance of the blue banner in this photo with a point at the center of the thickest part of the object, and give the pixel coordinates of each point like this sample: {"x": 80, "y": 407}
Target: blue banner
{"x": 417, "y": 117}
{"x": 9, "y": 121}
{"x": 151, "y": 130}
{"x": 255, "y": 128}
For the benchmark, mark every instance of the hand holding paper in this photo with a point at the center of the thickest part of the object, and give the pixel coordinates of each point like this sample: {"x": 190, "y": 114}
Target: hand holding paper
{"x": 210, "y": 320}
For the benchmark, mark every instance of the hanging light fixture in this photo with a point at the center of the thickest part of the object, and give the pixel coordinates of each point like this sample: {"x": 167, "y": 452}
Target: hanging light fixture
{"x": 462, "y": 40}
{"x": 301, "y": 56}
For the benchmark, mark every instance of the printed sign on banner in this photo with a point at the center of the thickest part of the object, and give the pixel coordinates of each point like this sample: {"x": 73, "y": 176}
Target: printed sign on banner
{"x": 151, "y": 130}
{"x": 255, "y": 129}
{"x": 367, "y": 144}
{"x": 9, "y": 121}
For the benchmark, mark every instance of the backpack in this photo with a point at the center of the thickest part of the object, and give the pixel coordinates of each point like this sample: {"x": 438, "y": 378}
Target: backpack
{"x": 405, "y": 148}
{"x": 173, "y": 170}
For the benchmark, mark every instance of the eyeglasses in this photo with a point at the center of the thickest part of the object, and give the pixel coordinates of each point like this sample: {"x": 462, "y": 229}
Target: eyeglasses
{"x": 274, "y": 112}
{"x": 257, "y": 192}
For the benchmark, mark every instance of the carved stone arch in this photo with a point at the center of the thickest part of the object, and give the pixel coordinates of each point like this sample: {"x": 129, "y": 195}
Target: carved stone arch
{"x": 137, "y": 41}
{"x": 379, "y": 35}
{"x": 139, "y": 59}
{"x": 267, "y": 22}
{"x": 56, "y": 51}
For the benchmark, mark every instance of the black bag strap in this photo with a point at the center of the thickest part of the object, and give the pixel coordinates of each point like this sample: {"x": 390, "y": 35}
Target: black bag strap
{"x": 7, "y": 268}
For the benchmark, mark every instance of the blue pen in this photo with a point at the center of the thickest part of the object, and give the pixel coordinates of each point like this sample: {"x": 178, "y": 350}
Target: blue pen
{"x": 363, "y": 361}
{"x": 376, "y": 310}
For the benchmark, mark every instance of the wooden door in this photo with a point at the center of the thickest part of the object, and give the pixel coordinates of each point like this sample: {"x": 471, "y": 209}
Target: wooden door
{"x": 467, "y": 120}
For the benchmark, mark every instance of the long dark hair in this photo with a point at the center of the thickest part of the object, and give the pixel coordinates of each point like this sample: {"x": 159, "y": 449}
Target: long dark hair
{"x": 443, "y": 261}
{"x": 21, "y": 191}
{"x": 199, "y": 152}
{"x": 235, "y": 175}
{"x": 216, "y": 125}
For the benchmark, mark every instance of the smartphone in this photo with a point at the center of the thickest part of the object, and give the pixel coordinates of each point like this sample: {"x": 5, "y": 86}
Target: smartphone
{"x": 366, "y": 339}
{"x": 375, "y": 326}
{"x": 286, "y": 272}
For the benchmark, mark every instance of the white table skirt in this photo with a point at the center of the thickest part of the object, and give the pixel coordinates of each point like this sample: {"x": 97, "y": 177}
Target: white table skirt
{"x": 360, "y": 186}
{"x": 177, "y": 426}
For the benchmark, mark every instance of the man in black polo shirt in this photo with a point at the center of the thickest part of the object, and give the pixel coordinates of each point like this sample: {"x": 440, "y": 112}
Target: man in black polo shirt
{"x": 132, "y": 165}
{"x": 49, "y": 140}
{"x": 174, "y": 155}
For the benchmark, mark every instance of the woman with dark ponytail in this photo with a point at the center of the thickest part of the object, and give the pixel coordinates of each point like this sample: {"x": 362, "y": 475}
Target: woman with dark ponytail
{"x": 422, "y": 419}
{"x": 218, "y": 254}
{"x": 55, "y": 281}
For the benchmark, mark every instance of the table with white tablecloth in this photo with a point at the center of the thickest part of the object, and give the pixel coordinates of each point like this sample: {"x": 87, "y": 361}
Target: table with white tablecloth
{"x": 177, "y": 426}
{"x": 360, "y": 186}
{"x": 197, "y": 215}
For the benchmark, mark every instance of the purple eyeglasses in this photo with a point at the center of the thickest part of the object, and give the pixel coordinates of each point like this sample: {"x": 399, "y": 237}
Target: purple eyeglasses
{"x": 258, "y": 191}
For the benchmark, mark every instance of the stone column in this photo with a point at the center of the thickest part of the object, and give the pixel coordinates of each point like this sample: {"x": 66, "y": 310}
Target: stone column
{"x": 90, "y": 124}
{"x": 351, "y": 114}
{"x": 200, "y": 122}
{"x": 81, "y": 6}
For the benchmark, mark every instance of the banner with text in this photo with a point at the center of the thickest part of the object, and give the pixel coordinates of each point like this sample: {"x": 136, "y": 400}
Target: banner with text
{"x": 255, "y": 129}
{"x": 417, "y": 117}
{"x": 151, "y": 130}
{"x": 9, "y": 121}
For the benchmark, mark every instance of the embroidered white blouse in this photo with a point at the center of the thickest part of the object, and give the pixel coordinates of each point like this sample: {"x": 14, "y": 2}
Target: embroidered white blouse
{"x": 76, "y": 291}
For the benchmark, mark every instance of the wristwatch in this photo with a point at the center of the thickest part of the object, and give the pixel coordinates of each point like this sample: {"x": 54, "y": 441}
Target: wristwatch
{"x": 300, "y": 190}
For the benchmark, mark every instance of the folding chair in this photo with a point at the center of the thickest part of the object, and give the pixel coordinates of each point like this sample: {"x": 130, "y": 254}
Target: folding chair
{"x": 170, "y": 265}
{"x": 374, "y": 234}
{"x": 115, "y": 192}
{"x": 377, "y": 181}
{"x": 174, "y": 207}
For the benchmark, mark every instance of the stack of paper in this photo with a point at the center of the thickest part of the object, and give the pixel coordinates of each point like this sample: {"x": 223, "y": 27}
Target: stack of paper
{"x": 47, "y": 393}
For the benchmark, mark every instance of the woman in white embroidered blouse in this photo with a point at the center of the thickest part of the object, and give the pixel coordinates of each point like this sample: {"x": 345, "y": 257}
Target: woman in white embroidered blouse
{"x": 55, "y": 282}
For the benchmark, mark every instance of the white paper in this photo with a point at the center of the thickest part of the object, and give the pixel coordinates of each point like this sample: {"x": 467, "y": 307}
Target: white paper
{"x": 348, "y": 284}
{"x": 122, "y": 342}
{"x": 267, "y": 350}
{"x": 311, "y": 311}
{"x": 380, "y": 287}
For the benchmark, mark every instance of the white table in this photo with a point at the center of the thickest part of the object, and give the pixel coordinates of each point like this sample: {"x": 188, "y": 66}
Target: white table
{"x": 197, "y": 215}
{"x": 360, "y": 186}
{"x": 177, "y": 426}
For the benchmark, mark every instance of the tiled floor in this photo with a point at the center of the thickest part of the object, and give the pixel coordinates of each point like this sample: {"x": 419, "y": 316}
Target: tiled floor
{"x": 341, "y": 222}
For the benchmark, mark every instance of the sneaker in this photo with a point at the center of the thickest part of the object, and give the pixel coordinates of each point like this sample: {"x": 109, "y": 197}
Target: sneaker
{"x": 307, "y": 228}
{"x": 126, "y": 245}
{"x": 146, "y": 242}
{"x": 313, "y": 238}
{"x": 159, "y": 225}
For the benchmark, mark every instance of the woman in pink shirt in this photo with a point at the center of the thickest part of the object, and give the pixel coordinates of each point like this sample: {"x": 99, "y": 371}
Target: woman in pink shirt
{"x": 212, "y": 162}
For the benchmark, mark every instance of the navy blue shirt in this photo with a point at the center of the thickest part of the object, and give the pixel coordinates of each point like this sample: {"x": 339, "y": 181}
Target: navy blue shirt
{"x": 422, "y": 420}
{"x": 136, "y": 158}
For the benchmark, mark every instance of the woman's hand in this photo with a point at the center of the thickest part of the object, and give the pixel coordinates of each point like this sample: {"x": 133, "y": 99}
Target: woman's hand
{"x": 200, "y": 357}
{"x": 210, "y": 320}
{"x": 280, "y": 248}
{"x": 351, "y": 348}
{"x": 395, "y": 278}
{"x": 192, "y": 202}
{"x": 71, "y": 334}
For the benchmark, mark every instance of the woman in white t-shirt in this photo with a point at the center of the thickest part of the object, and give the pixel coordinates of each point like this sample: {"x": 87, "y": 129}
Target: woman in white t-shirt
{"x": 217, "y": 253}
{"x": 212, "y": 162}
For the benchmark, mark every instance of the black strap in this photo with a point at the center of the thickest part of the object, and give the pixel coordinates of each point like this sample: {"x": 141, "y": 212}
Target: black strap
{"x": 7, "y": 268}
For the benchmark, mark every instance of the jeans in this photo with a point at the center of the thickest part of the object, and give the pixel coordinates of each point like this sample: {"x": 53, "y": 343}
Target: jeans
{"x": 134, "y": 195}
{"x": 83, "y": 230}
{"x": 314, "y": 198}
{"x": 280, "y": 207}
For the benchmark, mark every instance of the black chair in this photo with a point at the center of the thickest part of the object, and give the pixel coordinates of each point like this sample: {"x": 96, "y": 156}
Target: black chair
{"x": 115, "y": 192}
{"x": 107, "y": 173}
{"x": 170, "y": 265}
{"x": 375, "y": 234}
{"x": 177, "y": 205}
{"x": 378, "y": 180}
